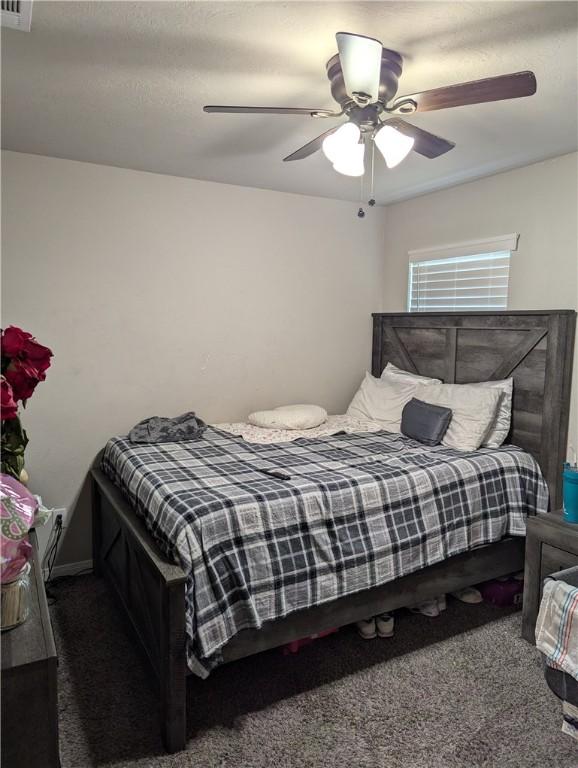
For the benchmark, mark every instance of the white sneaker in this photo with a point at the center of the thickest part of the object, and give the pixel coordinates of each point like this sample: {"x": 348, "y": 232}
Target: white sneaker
{"x": 366, "y": 628}
{"x": 429, "y": 608}
{"x": 519, "y": 576}
{"x": 385, "y": 623}
{"x": 469, "y": 595}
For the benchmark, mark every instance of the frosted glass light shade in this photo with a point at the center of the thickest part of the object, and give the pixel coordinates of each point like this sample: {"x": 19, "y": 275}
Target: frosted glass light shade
{"x": 341, "y": 141}
{"x": 350, "y": 161}
{"x": 393, "y": 145}
{"x": 360, "y": 59}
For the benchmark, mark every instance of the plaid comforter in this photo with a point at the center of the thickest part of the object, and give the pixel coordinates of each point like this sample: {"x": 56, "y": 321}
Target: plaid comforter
{"x": 264, "y": 530}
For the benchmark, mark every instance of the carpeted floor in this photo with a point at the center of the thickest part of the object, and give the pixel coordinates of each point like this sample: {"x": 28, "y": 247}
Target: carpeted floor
{"x": 461, "y": 691}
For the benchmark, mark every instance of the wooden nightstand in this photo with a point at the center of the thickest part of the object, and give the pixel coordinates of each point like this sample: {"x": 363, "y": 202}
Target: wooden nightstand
{"x": 551, "y": 545}
{"x": 29, "y": 694}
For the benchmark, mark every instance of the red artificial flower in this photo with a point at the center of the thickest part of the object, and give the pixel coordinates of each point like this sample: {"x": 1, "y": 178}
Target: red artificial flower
{"x": 9, "y": 408}
{"x": 21, "y": 345}
{"x": 23, "y": 378}
{"x": 14, "y": 341}
{"x": 37, "y": 355}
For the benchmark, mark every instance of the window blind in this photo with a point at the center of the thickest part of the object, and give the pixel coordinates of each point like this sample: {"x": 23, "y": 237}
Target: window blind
{"x": 459, "y": 283}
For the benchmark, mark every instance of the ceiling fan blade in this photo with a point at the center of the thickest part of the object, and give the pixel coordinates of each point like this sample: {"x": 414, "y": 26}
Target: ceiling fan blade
{"x": 475, "y": 92}
{"x": 425, "y": 143}
{"x": 311, "y": 147}
{"x": 360, "y": 59}
{"x": 272, "y": 111}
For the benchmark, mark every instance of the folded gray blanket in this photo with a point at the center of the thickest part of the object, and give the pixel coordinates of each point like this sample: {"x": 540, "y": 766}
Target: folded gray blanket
{"x": 160, "y": 429}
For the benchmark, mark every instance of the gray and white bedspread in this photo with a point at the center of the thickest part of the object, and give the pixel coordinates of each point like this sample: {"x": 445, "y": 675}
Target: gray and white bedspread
{"x": 352, "y": 511}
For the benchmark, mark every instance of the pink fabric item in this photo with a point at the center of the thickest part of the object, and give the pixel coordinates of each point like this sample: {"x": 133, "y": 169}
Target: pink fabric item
{"x": 294, "y": 646}
{"x": 502, "y": 592}
{"x": 17, "y": 509}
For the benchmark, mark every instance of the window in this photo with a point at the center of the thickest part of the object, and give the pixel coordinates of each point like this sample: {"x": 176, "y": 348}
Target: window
{"x": 460, "y": 283}
{"x": 457, "y": 278}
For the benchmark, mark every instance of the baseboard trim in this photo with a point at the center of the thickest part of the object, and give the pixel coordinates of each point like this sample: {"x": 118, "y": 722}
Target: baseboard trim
{"x": 69, "y": 569}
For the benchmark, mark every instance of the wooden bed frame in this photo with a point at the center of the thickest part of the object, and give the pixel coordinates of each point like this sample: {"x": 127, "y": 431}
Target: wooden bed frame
{"x": 535, "y": 348}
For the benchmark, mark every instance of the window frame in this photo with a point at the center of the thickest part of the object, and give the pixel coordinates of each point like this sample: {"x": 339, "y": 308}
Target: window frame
{"x": 502, "y": 245}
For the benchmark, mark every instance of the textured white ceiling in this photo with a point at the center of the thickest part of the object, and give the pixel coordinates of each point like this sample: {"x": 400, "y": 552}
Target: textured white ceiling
{"x": 123, "y": 83}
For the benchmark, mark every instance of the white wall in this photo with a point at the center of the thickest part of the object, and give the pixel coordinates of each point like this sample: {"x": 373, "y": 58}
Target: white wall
{"x": 539, "y": 201}
{"x": 160, "y": 295}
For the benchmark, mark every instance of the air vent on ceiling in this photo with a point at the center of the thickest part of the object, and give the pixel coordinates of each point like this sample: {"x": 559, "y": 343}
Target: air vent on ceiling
{"x": 16, "y": 14}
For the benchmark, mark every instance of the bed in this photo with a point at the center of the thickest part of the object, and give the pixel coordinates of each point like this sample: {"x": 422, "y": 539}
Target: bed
{"x": 534, "y": 347}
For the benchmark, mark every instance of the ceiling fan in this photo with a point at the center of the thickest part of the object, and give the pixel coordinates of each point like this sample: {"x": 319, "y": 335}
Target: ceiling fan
{"x": 364, "y": 80}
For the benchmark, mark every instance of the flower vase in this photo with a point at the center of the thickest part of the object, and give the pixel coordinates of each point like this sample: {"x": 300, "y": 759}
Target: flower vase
{"x": 15, "y": 600}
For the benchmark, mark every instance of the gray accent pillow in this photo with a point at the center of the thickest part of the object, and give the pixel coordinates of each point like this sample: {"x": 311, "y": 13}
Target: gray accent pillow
{"x": 425, "y": 422}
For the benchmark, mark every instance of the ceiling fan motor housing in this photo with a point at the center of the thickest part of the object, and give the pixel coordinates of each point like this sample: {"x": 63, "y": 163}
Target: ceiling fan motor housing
{"x": 391, "y": 67}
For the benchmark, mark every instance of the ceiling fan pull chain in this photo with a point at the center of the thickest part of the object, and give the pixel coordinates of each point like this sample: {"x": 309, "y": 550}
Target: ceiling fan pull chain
{"x": 361, "y": 212}
{"x": 371, "y": 201}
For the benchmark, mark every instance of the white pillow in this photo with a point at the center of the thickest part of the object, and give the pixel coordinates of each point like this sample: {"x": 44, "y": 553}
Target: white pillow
{"x": 473, "y": 411}
{"x": 383, "y": 400}
{"x": 392, "y": 370}
{"x": 500, "y": 426}
{"x": 289, "y": 417}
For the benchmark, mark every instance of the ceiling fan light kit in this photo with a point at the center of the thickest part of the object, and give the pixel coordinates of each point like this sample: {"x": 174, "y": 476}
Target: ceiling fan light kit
{"x": 364, "y": 81}
{"x": 350, "y": 162}
{"x": 393, "y": 145}
{"x": 345, "y": 150}
{"x": 340, "y": 141}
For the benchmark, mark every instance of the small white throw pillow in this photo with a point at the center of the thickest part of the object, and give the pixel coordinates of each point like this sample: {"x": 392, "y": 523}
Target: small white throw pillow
{"x": 499, "y": 428}
{"x": 473, "y": 411}
{"x": 383, "y": 400}
{"x": 289, "y": 417}
{"x": 392, "y": 370}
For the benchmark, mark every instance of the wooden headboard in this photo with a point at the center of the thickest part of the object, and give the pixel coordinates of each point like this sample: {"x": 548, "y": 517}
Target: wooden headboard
{"x": 535, "y": 347}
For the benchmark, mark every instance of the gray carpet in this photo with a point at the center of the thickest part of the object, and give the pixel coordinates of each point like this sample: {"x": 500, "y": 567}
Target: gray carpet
{"x": 460, "y": 691}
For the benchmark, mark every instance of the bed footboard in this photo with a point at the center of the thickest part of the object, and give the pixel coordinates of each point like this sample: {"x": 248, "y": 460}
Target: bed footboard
{"x": 151, "y": 592}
